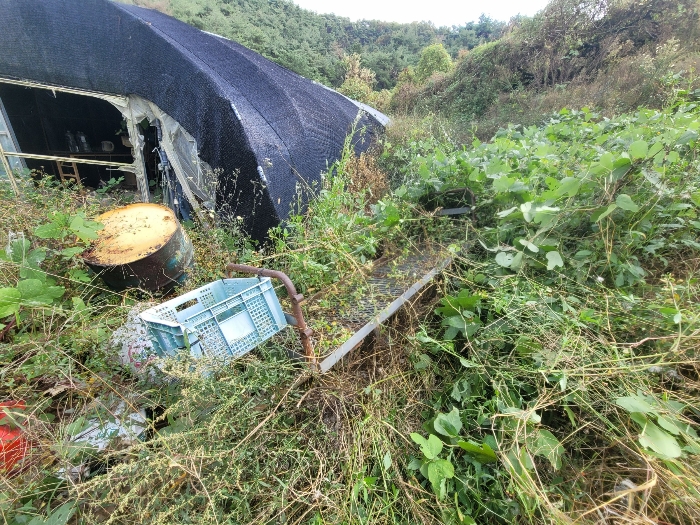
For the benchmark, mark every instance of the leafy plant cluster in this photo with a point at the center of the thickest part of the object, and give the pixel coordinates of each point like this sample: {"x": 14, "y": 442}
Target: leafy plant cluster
{"x": 55, "y": 327}
{"x": 35, "y": 287}
{"x": 341, "y": 232}
{"x": 571, "y": 326}
{"x": 595, "y": 196}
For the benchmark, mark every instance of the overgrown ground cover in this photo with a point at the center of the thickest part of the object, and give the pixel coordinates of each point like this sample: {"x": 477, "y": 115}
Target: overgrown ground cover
{"x": 550, "y": 377}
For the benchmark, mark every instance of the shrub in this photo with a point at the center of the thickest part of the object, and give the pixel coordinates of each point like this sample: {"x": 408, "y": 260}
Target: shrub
{"x": 433, "y": 59}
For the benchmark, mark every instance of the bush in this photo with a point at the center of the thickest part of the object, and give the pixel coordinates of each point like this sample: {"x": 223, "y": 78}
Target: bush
{"x": 433, "y": 59}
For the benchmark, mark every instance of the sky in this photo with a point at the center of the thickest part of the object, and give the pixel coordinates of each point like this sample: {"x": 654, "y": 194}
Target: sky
{"x": 440, "y": 12}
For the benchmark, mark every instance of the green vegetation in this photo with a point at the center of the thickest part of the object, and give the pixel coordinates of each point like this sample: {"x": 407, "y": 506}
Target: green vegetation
{"x": 615, "y": 55}
{"x": 571, "y": 325}
{"x": 314, "y": 45}
{"x": 433, "y": 59}
{"x": 550, "y": 376}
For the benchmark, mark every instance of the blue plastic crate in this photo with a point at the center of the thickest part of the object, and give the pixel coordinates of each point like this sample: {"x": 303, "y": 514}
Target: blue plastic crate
{"x": 225, "y": 318}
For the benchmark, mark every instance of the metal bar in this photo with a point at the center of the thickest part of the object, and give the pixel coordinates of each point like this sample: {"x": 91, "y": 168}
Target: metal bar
{"x": 363, "y": 332}
{"x": 8, "y": 170}
{"x": 63, "y": 89}
{"x": 122, "y": 166}
{"x": 296, "y": 298}
{"x": 453, "y": 211}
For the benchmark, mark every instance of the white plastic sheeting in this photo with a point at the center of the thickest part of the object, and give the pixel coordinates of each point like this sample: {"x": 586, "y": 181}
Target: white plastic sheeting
{"x": 194, "y": 175}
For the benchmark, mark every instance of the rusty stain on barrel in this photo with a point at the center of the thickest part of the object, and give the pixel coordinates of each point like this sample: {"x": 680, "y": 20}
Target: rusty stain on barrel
{"x": 141, "y": 246}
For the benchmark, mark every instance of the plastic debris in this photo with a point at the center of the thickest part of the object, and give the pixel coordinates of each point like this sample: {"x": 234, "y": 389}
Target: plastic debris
{"x": 13, "y": 444}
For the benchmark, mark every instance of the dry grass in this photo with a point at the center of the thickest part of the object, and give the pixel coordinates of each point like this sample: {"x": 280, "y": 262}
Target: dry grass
{"x": 366, "y": 178}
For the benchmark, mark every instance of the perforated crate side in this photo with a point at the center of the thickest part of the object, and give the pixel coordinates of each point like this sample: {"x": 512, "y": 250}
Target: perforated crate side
{"x": 255, "y": 301}
{"x": 259, "y": 311}
{"x": 166, "y": 340}
{"x": 211, "y": 338}
{"x": 205, "y": 295}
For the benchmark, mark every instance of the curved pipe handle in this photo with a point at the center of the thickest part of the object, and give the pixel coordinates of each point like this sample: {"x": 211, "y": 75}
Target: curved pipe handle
{"x": 296, "y": 298}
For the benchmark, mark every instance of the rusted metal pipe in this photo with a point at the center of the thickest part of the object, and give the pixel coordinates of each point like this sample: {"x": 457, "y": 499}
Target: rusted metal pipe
{"x": 296, "y": 298}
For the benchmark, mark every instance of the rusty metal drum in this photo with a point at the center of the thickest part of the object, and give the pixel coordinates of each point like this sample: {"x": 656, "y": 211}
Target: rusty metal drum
{"x": 141, "y": 246}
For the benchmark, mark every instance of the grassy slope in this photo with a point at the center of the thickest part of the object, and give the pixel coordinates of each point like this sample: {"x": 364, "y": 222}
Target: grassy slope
{"x": 611, "y": 55}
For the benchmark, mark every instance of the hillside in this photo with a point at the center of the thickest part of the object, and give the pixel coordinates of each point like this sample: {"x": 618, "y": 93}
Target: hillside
{"x": 614, "y": 55}
{"x": 313, "y": 45}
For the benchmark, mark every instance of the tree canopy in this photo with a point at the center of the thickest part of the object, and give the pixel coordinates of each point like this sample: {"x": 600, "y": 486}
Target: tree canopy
{"x": 314, "y": 45}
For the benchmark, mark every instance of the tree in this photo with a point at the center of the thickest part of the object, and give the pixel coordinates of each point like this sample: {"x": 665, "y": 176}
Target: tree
{"x": 433, "y": 59}
{"x": 359, "y": 81}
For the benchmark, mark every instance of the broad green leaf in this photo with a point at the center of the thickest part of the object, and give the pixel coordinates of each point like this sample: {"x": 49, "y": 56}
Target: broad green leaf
{"x": 655, "y": 148}
{"x": 548, "y": 446}
{"x": 80, "y": 310}
{"x": 83, "y": 231}
{"x": 654, "y": 438}
{"x": 386, "y": 461}
{"x": 9, "y": 301}
{"x": 77, "y": 426}
{"x": 603, "y": 212}
{"x": 49, "y": 231}
{"x": 36, "y": 292}
{"x": 62, "y": 514}
{"x": 526, "y": 208}
{"x": 30, "y": 265}
{"x": 634, "y": 404}
{"x": 430, "y": 447}
{"x": 450, "y": 335}
{"x": 688, "y": 136}
{"x": 522, "y": 414}
{"x": 554, "y": 260}
{"x": 504, "y": 259}
{"x": 669, "y": 425}
{"x": 625, "y": 202}
{"x": 414, "y": 464}
{"x": 517, "y": 261}
{"x": 19, "y": 252}
{"x": 72, "y": 252}
{"x": 448, "y": 424}
{"x": 639, "y": 149}
{"x": 507, "y": 212}
{"x": 545, "y": 217}
{"x": 481, "y": 453}
{"x": 569, "y": 186}
{"x": 606, "y": 160}
{"x": 439, "y": 471}
{"x": 529, "y": 245}
{"x": 502, "y": 184}
{"x": 620, "y": 171}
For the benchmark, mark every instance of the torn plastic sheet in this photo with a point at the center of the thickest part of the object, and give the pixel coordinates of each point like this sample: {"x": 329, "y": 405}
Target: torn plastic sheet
{"x": 94, "y": 436}
{"x": 196, "y": 176}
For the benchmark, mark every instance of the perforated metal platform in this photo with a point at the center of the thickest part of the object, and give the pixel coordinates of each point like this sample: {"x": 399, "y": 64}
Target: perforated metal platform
{"x": 392, "y": 283}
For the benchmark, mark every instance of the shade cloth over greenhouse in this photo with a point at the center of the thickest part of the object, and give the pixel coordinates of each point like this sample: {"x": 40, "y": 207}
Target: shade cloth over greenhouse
{"x": 263, "y": 130}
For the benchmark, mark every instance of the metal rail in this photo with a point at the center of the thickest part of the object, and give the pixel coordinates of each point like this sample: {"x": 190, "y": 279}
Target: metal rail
{"x": 63, "y": 89}
{"x": 304, "y": 331}
{"x": 121, "y": 165}
{"x": 382, "y": 316}
{"x": 6, "y": 168}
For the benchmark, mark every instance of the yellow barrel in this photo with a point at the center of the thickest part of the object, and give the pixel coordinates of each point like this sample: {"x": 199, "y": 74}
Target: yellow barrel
{"x": 141, "y": 246}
